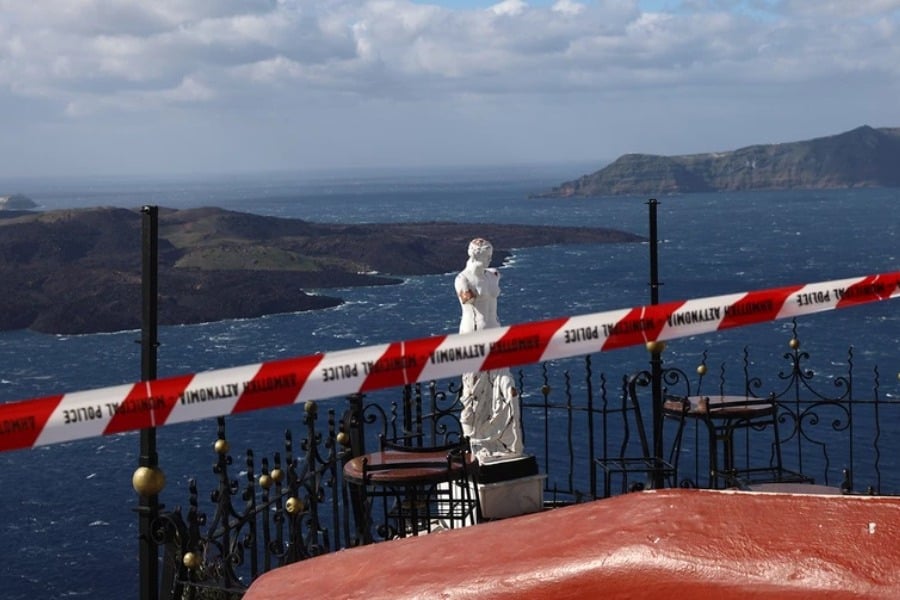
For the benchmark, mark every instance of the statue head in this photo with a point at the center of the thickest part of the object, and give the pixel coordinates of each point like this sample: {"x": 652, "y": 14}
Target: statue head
{"x": 481, "y": 251}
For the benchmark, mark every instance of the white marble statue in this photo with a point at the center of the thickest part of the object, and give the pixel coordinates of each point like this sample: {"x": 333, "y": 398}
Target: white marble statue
{"x": 490, "y": 415}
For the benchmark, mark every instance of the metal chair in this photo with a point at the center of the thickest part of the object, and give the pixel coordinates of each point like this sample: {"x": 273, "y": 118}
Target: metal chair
{"x": 631, "y": 461}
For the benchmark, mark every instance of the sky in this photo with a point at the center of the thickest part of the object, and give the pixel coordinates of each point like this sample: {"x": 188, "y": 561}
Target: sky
{"x": 124, "y": 87}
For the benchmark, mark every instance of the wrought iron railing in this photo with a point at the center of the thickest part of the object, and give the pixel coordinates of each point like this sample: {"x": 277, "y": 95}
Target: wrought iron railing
{"x": 268, "y": 511}
{"x": 832, "y": 429}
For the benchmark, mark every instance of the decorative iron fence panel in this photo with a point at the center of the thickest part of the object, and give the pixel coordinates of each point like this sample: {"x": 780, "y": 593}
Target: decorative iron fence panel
{"x": 292, "y": 504}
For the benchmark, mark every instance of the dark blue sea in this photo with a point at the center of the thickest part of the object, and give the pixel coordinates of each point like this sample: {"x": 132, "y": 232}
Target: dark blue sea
{"x": 68, "y": 526}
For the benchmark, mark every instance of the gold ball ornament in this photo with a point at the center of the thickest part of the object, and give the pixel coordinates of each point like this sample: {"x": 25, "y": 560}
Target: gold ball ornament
{"x": 221, "y": 446}
{"x": 148, "y": 481}
{"x": 342, "y": 438}
{"x": 701, "y": 369}
{"x": 265, "y": 481}
{"x": 655, "y": 347}
{"x": 794, "y": 343}
{"x": 277, "y": 475}
{"x": 293, "y": 505}
{"x": 190, "y": 560}
{"x": 310, "y": 407}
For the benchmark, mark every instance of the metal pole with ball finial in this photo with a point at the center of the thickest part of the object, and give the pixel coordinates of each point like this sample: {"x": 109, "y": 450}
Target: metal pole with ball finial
{"x": 148, "y": 480}
{"x": 655, "y": 349}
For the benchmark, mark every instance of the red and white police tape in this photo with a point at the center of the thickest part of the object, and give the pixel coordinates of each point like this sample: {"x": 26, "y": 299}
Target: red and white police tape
{"x": 103, "y": 411}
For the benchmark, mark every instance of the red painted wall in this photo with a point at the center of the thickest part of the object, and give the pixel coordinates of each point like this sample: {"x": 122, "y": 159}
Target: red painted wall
{"x": 658, "y": 544}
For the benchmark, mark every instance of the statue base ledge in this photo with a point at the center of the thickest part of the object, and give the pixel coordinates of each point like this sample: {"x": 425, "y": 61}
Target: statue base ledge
{"x": 512, "y": 497}
{"x": 508, "y": 487}
{"x": 498, "y": 469}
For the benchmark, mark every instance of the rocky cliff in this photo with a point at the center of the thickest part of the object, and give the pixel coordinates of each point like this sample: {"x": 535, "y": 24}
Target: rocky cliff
{"x": 863, "y": 157}
{"x": 79, "y": 271}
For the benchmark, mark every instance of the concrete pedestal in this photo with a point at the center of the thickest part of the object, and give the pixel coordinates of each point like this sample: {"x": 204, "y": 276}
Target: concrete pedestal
{"x": 510, "y": 487}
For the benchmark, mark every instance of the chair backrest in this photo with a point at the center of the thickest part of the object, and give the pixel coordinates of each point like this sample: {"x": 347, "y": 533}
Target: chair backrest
{"x": 632, "y": 416}
{"x": 636, "y": 457}
{"x": 677, "y": 388}
{"x": 416, "y": 443}
{"x": 424, "y": 417}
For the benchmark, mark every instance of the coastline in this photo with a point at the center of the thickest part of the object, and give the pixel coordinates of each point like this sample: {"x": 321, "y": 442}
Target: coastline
{"x": 76, "y": 271}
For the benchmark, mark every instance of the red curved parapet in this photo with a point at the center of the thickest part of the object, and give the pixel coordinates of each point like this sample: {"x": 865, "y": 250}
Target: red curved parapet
{"x": 658, "y": 544}
{"x": 85, "y": 414}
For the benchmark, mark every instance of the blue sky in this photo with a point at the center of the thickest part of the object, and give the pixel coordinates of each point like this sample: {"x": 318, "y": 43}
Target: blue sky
{"x": 97, "y": 87}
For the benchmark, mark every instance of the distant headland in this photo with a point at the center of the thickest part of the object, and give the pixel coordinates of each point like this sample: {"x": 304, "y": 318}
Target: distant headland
{"x": 863, "y": 157}
{"x": 16, "y": 202}
{"x": 79, "y": 270}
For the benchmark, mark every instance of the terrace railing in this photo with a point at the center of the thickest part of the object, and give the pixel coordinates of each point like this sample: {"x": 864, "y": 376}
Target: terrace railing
{"x": 268, "y": 510}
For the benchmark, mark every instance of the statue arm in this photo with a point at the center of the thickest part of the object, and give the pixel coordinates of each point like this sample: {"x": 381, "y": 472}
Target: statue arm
{"x": 463, "y": 291}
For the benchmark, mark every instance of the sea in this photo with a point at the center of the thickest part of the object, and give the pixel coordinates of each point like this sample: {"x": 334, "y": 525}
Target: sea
{"x": 68, "y": 526}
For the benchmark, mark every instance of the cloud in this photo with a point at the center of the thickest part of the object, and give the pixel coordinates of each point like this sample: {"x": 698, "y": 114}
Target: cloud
{"x": 511, "y": 8}
{"x": 840, "y": 9}
{"x": 568, "y": 7}
{"x": 90, "y": 58}
{"x": 58, "y": 49}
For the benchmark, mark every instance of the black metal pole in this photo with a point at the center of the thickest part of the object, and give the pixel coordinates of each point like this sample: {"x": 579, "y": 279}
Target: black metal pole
{"x": 654, "y": 254}
{"x": 148, "y": 508}
{"x": 656, "y": 359}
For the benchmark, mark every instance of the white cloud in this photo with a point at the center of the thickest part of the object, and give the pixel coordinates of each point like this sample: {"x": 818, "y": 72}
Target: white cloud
{"x": 93, "y": 58}
{"x": 511, "y": 8}
{"x": 568, "y": 7}
{"x": 271, "y": 70}
{"x": 400, "y": 47}
{"x": 840, "y": 8}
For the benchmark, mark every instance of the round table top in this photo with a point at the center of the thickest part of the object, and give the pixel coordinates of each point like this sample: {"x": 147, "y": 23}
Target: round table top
{"x": 719, "y": 406}
{"x": 404, "y": 467}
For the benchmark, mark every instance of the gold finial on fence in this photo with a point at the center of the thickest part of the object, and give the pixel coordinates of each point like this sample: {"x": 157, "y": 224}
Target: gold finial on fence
{"x": 293, "y": 505}
{"x": 190, "y": 560}
{"x": 148, "y": 481}
{"x": 655, "y": 347}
